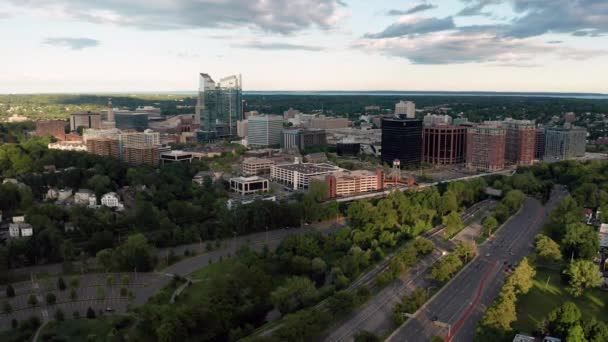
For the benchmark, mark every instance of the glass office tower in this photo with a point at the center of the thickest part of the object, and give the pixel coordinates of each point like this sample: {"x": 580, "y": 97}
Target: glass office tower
{"x": 219, "y": 106}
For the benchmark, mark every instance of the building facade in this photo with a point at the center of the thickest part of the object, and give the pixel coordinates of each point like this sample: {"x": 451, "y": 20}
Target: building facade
{"x": 401, "y": 140}
{"x": 265, "y": 131}
{"x": 323, "y": 122}
{"x": 301, "y": 139}
{"x": 85, "y": 120}
{"x": 297, "y": 175}
{"x": 539, "y": 147}
{"x": 55, "y": 128}
{"x": 433, "y": 120}
{"x": 520, "y": 142}
{"x": 256, "y": 166}
{"x": 106, "y": 147}
{"x": 344, "y": 184}
{"x": 219, "y": 106}
{"x": 131, "y": 121}
{"x": 68, "y": 146}
{"x": 141, "y": 154}
{"x": 176, "y": 156}
{"x": 147, "y": 137}
{"x": 249, "y": 185}
{"x": 564, "y": 143}
{"x": 444, "y": 145}
{"x": 406, "y": 108}
{"x": 242, "y": 128}
{"x": 485, "y": 148}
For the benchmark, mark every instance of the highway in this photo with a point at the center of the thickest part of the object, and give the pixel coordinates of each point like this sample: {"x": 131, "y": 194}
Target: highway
{"x": 454, "y": 312}
{"x": 376, "y": 315}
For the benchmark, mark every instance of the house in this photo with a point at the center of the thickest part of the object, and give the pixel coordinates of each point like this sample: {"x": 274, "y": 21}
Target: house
{"x": 199, "y": 178}
{"x": 318, "y": 157}
{"x": 59, "y": 195}
{"x": 588, "y": 215}
{"x": 111, "y": 200}
{"x": 523, "y": 338}
{"x": 18, "y": 228}
{"x": 68, "y": 227}
{"x": 85, "y": 197}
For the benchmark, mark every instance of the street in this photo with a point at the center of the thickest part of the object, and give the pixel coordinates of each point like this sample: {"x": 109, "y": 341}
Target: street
{"x": 454, "y": 312}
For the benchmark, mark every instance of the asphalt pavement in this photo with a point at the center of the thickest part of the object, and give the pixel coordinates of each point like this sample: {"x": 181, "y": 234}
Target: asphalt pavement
{"x": 454, "y": 312}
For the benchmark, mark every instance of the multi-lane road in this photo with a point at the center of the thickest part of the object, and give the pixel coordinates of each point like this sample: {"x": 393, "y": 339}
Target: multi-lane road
{"x": 455, "y": 311}
{"x": 376, "y": 315}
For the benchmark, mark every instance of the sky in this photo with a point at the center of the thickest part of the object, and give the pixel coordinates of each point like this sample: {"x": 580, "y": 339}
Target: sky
{"x": 84, "y": 46}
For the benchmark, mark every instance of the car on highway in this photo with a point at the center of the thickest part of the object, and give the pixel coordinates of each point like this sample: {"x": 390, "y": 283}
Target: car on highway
{"x": 108, "y": 309}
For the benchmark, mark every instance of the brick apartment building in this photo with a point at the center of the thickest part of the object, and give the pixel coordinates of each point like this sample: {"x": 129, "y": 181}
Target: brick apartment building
{"x": 141, "y": 154}
{"x": 539, "y": 148}
{"x": 106, "y": 147}
{"x": 520, "y": 142}
{"x": 55, "y": 128}
{"x": 485, "y": 148}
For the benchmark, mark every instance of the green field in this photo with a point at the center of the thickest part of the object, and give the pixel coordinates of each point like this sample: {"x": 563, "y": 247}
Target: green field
{"x": 544, "y": 297}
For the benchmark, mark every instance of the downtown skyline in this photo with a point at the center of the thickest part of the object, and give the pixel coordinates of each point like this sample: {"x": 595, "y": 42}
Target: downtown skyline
{"x": 80, "y": 46}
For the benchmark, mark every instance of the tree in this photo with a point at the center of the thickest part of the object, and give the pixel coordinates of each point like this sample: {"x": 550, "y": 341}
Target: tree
{"x": 90, "y": 313}
{"x": 580, "y": 241}
{"x": 59, "y": 315}
{"x": 50, "y": 298}
{"x": 583, "y": 274}
{"x": 448, "y": 203}
{"x": 465, "y": 251}
{"x": 10, "y": 291}
{"x": 453, "y": 224}
{"x": 32, "y": 300}
{"x": 296, "y": 293}
{"x": 100, "y": 292}
{"x": 74, "y": 282}
{"x": 61, "y": 284}
{"x": 6, "y": 307}
{"x": 501, "y": 315}
{"x": 73, "y": 294}
{"x": 489, "y": 225}
{"x": 341, "y": 303}
{"x": 366, "y": 336}
{"x": 135, "y": 253}
{"x": 100, "y": 184}
{"x": 522, "y": 278}
{"x": 563, "y": 318}
{"x": 547, "y": 249}
{"x": 445, "y": 268}
{"x": 576, "y": 334}
{"x": 104, "y": 258}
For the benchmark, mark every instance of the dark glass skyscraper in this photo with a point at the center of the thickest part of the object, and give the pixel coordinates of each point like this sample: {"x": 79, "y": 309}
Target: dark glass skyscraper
{"x": 402, "y": 140}
{"x": 219, "y": 106}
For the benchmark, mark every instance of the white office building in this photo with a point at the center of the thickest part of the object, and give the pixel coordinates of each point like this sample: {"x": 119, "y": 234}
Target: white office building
{"x": 406, "y": 108}
{"x": 264, "y": 131}
{"x": 298, "y": 175}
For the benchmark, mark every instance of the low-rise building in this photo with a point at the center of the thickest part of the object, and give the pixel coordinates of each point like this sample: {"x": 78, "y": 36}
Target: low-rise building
{"x": 343, "y": 184}
{"x": 298, "y": 175}
{"x": 85, "y": 197}
{"x": 249, "y": 185}
{"x": 18, "y": 228}
{"x": 317, "y": 157}
{"x": 603, "y": 235}
{"x": 176, "y": 156}
{"x": 234, "y": 202}
{"x": 68, "y": 146}
{"x": 111, "y": 200}
{"x": 59, "y": 195}
{"x": 256, "y": 166}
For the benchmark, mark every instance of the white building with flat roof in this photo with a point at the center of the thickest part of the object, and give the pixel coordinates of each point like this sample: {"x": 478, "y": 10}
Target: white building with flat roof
{"x": 176, "y": 156}
{"x": 406, "y": 108}
{"x": 298, "y": 175}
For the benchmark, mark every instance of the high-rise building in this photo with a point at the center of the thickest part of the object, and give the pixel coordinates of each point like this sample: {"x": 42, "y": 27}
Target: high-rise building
{"x": 140, "y": 154}
{"x": 110, "y": 116}
{"x": 219, "y": 106}
{"x": 90, "y": 133}
{"x": 539, "y": 150}
{"x": 265, "y": 131}
{"x": 406, "y": 108}
{"x": 301, "y": 139}
{"x": 485, "y": 147}
{"x": 107, "y": 147}
{"x": 434, "y": 120}
{"x": 85, "y": 120}
{"x": 564, "y": 143}
{"x": 131, "y": 120}
{"x": 401, "y": 140}
{"x": 55, "y": 128}
{"x": 242, "y": 128}
{"x": 520, "y": 141}
{"x": 444, "y": 145}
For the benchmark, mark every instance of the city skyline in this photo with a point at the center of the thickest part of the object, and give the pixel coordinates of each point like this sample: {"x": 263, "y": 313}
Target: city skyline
{"x": 80, "y": 46}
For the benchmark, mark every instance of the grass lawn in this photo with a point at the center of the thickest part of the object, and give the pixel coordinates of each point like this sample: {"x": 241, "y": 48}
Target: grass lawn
{"x": 543, "y": 298}
{"x": 212, "y": 270}
{"x": 84, "y": 329}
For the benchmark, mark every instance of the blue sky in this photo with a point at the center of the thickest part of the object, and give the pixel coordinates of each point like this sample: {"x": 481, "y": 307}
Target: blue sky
{"x": 161, "y": 45}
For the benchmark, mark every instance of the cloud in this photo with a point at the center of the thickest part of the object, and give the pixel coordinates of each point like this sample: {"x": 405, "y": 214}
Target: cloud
{"x": 278, "y": 46}
{"x": 5, "y": 15}
{"x": 418, "y": 8}
{"x": 276, "y": 16}
{"x": 413, "y": 26}
{"x": 72, "y": 43}
{"x": 476, "y": 7}
{"x": 555, "y": 42}
{"x": 581, "y": 17}
{"x": 454, "y": 47}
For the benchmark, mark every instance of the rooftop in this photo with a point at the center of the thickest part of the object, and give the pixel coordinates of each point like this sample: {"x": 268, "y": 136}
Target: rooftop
{"x": 248, "y": 179}
{"x": 309, "y": 168}
{"x": 176, "y": 153}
